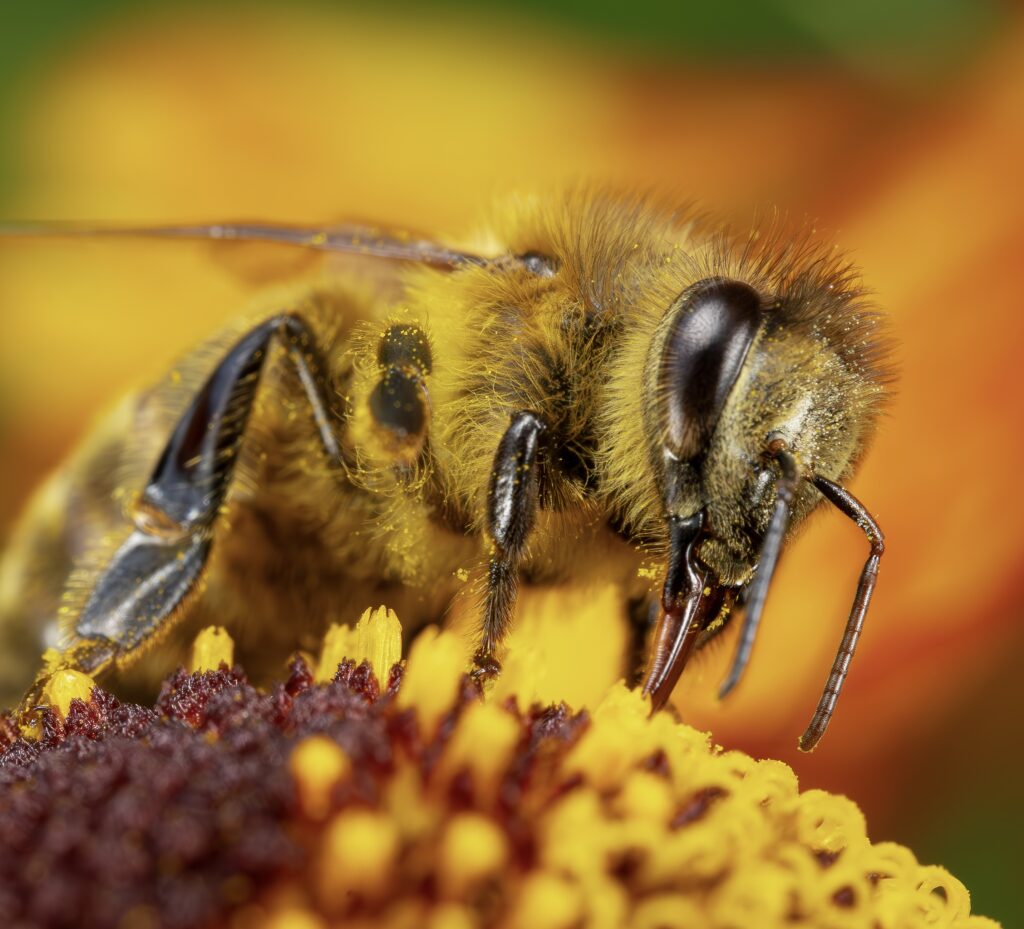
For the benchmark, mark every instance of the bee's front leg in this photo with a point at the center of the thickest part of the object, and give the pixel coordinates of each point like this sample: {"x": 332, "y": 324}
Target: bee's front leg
{"x": 513, "y": 498}
{"x": 146, "y": 584}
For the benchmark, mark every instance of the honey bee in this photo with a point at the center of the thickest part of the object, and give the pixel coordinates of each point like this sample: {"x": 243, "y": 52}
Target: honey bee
{"x": 615, "y": 381}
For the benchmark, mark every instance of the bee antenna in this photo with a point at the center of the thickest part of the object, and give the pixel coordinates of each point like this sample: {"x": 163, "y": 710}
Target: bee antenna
{"x": 850, "y": 506}
{"x": 346, "y": 239}
{"x": 771, "y": 546}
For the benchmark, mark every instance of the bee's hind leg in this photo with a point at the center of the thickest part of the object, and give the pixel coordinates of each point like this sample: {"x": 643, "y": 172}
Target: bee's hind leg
{"x": 513, "y": 498}
{"x": 145, "y": 585}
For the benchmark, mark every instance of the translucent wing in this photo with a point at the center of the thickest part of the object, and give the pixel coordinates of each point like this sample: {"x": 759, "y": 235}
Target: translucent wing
{"x": 367, "y": 241}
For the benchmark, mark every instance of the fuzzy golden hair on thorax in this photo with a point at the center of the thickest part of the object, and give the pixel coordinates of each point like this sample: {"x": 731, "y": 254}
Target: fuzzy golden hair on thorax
{"x": 602, "y": 384}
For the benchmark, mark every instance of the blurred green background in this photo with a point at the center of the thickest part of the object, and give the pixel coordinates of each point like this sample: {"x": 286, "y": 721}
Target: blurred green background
{"x": 899, "y": 124}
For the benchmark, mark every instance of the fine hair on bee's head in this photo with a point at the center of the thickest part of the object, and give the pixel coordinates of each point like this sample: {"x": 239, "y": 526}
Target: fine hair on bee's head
{"x": 597, "y": 382}
{"x": 735, "y": 379}
{"x": 680, "y": 349}
{"x": 724, "y": 342}
{"x": 771, "y": 346}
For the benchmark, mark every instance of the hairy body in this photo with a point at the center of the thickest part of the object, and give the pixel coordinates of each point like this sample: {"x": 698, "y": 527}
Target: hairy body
{"x": 569, "y": 328}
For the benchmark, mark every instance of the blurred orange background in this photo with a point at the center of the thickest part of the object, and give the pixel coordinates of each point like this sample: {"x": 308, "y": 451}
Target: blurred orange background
{"x": 908, "y": 151}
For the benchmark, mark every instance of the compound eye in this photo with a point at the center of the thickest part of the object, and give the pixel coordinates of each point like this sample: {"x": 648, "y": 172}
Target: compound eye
{"x": 706, "y": 335}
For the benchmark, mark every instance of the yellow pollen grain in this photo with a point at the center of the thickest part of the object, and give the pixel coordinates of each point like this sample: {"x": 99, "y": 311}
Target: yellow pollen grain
{"x": 317, "y": 764}
{"x": 359, "y": 850}
{"x": 547, "y": 901}
{"x": 212, "y": 648}
{"x": 472, "y": 849}
{"x": 376, "y": 638}
{"x": 67, "y": 685}
{"x": 437, "y": 662}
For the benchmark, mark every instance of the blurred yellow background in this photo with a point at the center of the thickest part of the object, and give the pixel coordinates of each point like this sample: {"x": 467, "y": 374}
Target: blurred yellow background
{"x": 902, "y": 135}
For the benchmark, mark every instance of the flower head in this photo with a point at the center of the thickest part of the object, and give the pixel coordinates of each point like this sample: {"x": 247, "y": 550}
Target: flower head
{"x": 368, "y": 792}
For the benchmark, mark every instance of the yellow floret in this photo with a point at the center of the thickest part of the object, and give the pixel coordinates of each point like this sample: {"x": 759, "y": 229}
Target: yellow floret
{"x": 67, "y": 685}
{"x": 318, "y": 764}
{"x": 483, "y": 742}
{"x": 646, "y": 796}
{"x": 359, "y": 849}
{"x": 294, "y": 919}
{"x": 547, "y": 901}
{"x": 379, "y": 638}
{"x": 830, "y": 823}
{"x": 620, "y": 735}
{"x": 451, "y": 916}
{"x": 437, "y": 662}
{"x": 632, "y": 821}
{"x": 472, "y": 848}
{"x": 339, "y": 644}
{"x": 666, "y": 911}
{"x": 212, "y": 648}
{"x": 376, "y": 638}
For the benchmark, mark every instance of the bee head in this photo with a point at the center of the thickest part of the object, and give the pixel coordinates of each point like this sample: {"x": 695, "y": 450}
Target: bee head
{"x": 733, "y": 375}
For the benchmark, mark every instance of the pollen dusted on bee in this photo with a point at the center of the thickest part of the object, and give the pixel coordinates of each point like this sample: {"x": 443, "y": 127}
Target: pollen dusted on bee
{"x": 610, "y": 383}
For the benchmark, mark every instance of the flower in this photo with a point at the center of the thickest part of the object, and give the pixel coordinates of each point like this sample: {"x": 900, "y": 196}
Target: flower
{"x": 185, "y": 112}
{"x": 368, "y": 791}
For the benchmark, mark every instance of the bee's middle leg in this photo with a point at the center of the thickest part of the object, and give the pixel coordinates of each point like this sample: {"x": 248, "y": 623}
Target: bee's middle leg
{"x": 513, "y": 498}
{"x": 146, "y": 583}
